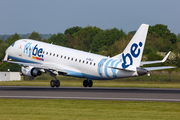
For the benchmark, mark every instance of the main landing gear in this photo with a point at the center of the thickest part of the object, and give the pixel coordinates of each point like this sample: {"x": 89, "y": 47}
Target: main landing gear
{"x": 87, "y": 83}
{"x": 54, "y": 83}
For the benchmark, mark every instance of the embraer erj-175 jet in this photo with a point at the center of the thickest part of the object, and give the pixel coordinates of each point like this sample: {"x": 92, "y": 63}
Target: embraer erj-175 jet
{"x": 36, "y": 57}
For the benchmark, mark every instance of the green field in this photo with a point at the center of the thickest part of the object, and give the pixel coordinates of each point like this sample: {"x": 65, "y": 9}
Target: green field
{"x": 157, "y": 79}
{"x": 111, "y": 83}
{"x": 38, "y": 109}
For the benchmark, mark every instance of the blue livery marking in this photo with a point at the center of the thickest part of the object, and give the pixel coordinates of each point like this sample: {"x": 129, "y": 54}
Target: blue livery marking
{"x": 83, "y": 75}
{"x": 133, "y": 50}
{"x": 124, "y": 64}
{"x": 113, "y": 70}
{"x": 100, "y": 65}
{"x": 114, "y": 75}
{"x": 106, "y": 67}
{"x": 37, "y": 53}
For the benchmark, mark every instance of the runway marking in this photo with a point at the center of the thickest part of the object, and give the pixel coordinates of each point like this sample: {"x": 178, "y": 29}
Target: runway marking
{"x": 92, "y": 98}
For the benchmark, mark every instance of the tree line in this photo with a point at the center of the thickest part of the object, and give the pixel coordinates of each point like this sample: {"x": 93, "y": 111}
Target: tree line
{"x": 107, "y": 42}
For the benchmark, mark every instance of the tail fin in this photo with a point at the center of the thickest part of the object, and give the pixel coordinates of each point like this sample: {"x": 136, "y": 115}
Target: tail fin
{"x": 133, "y": 52}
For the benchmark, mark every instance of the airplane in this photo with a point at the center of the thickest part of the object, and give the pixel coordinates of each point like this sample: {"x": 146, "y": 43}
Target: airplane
{"x": 37, "y": 57}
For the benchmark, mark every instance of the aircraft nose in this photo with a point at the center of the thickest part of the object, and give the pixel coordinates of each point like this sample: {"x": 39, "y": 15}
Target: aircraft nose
{"x": 7, "y": 49}
{"x": 6, "y": 56}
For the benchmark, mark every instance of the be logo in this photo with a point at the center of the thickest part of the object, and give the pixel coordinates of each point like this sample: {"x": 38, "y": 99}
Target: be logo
{"x": 36, "y": 53}
{"x": 134, "y": 51}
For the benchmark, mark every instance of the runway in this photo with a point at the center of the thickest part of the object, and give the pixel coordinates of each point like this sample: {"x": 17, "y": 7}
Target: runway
{"x": 94, "y": 93}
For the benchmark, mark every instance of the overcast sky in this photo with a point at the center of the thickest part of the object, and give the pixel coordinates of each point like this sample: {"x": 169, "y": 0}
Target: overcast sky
{"x": 54, "y": 16}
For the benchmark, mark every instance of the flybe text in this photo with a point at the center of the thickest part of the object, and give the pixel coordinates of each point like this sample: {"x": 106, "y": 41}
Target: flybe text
{"x": 34, "y": 51}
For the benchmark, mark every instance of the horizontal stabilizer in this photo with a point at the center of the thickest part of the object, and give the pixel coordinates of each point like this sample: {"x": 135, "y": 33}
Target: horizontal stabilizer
{"x": 152, "y": 62}
{"x": 130, "y": 68}
{"x": 158, "y": 68}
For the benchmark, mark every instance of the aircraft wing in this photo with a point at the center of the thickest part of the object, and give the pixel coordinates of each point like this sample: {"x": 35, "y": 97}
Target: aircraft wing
{"x": 158, "y": 68}
{"x": 47, "y": 66}
{"x": 152, "y": 62}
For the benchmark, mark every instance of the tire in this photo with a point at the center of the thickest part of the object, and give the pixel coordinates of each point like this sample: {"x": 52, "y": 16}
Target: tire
{"x": 90, "y": 83}
{"x": 52, "y": 83}
{"x": 57, "y": 83}
{"x": 85, "y": 83}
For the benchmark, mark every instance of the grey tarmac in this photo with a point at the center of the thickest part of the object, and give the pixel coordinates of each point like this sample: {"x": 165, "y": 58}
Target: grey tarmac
{"x": 94, "y": 93}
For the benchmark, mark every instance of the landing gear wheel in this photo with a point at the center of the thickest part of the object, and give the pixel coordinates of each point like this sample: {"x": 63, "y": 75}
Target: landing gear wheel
{"x": 85, "y": 83}
{"x": 57, "y": 83}
{"x": 52, "y": 83}
{"x": 90, "y": 83}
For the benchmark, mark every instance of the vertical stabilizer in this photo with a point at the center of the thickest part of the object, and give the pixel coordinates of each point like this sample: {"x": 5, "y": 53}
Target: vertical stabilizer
{"x": 133, "y": 52}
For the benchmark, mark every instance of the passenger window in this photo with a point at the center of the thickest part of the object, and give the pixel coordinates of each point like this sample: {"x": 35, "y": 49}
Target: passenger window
{"x": 87, "y": 62}
{"x": 94, "y": 64}
{"x": 75, "y": 59}
{"x": 53, "y": 54}
{"x": 50, "y": 54}
{"x": 83, "y": 61}
{"x": 79, "y": 60}
{"x": 71, "y": 59}
{"x": 90, "y": 63}
{"x": 57, "y": 55}
{"x": 64, "y": 57}
{"x": 68, "y": 58}
{"x": 46, "y": 53}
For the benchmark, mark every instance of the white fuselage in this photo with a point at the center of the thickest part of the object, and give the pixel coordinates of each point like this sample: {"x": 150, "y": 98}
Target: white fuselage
{"x": 77, "y": 63}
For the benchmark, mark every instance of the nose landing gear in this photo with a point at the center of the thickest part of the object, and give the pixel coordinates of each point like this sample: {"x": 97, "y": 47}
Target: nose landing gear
{"x": 87, "y": 83}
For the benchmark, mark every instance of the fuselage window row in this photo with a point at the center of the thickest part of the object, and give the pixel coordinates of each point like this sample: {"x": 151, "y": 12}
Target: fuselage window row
{"x": 69, "y": 58}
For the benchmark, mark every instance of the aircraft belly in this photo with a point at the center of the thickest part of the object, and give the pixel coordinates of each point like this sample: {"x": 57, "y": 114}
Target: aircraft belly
{"x": 124, "y": 74}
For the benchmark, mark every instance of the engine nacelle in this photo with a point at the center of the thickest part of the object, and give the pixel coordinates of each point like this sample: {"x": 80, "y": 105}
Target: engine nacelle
{"x": 30, "y": 71}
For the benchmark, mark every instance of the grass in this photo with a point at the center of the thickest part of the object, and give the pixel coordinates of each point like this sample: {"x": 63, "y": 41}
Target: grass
{"x": 40, "y": 109}
{"x": 111, "y": 83}
{"x": 156, "y": 80}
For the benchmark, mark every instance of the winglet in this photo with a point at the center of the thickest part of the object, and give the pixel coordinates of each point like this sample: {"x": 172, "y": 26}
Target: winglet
{"x": 158, "y": 61}
{"x": 166, "y": 56}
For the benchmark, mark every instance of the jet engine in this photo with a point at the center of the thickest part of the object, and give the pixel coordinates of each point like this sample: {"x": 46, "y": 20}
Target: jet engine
{"x": 30, "y": 71}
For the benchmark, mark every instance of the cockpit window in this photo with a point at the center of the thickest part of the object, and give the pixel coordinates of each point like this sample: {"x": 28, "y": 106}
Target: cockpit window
{"x": 13, "y": 44}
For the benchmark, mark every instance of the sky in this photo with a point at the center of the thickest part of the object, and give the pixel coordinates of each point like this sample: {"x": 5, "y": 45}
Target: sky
{"x": 55, "y": 16}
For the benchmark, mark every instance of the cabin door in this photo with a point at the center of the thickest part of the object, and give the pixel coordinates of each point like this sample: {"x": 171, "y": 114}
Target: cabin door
{"x": 21, "y": 46}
